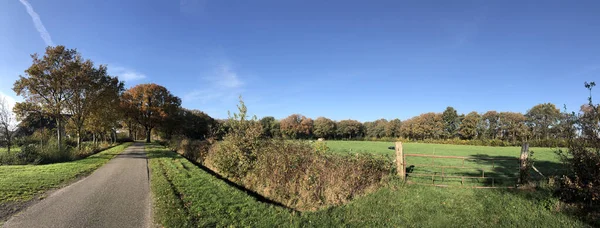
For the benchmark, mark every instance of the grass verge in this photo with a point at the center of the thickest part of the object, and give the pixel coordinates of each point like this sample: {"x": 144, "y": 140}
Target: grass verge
{"x": 187, "y": 196}
{"x": 23, "y": 182}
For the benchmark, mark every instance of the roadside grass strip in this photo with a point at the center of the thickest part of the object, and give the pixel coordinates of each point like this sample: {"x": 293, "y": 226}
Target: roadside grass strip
{"x": 24, "y": 182}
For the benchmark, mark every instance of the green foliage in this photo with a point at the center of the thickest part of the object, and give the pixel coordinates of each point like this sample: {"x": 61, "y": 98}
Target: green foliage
{"x": 349, "y": 129}
{"x": 236, "y": 154}
{"x": 451, "y": 122}
{"x": 582, "y": 185}
{"x": 324, "y": 128}
{"x": 321, "y": 147}
{"x": 468, "y": 127}
{"x": 29, "y": 154}
{"x": 271, "y": 127}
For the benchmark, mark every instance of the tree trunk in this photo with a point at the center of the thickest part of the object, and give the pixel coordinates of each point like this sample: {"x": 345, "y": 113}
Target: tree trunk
{"x": 59, "y": 133}
{"x": 148, "y": 131}
{"x": 79, "y": 138}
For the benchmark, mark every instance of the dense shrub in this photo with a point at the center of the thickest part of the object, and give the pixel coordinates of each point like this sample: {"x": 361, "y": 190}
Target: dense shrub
{"x": 297, "y": 174}
{"x": 29, "y": 154}
{"x": 582, "y": 186}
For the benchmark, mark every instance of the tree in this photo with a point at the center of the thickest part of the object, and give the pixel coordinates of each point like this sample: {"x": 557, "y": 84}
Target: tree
{"x": 306, "y": 127}
{"x": 197, "y": 124}
{"x": 489, "y": 122}
{"x": 393, "y": 128}
{"x": 92, "y": 89}
{"x": 407, "y": 128}
{"x": 296, "y": 126}
{"x": 349, "y": 129}
{"x": 150, "y": 105}
{"x": 45, "y": 83}
{"x": 468, "y": 127}
{"x": 270, "y": 127}
{"x": 377, "y": 130}
{"x": 512, "y": 126}
{"x": 8, "y": 123}
{"x": 324, "y": 128}
{"x": 451, "y": 122}
{"x": 541, "y": 118}
{"x": 429, "y": 126}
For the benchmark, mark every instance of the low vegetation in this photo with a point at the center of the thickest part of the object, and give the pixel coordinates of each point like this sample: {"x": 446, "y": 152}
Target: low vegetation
{"x": 187, "y": 196}
{"x": 295, "y": 174}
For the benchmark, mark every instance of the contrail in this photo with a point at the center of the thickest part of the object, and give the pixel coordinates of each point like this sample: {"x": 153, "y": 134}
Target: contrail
{"x": 38, "y": 23}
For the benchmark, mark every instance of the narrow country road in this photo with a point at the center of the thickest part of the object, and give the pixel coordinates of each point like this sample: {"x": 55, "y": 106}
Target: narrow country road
{"x": 115, "y": 195}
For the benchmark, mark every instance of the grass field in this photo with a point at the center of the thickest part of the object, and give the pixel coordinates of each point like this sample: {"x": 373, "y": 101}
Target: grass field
{"x": 23, "y": 182}
{"x": 188, "y": 196}
{"x": 504, "y": 171}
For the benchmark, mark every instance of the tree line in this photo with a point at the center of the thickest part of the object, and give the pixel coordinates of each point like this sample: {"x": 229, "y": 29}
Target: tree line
{"x": 72, "y": 98}
{"x": 541, "y": 122}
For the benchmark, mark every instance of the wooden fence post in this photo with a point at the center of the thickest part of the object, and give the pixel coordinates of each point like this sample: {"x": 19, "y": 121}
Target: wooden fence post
{"x": 400, "y": 164}
{"x": 524, "y": 167}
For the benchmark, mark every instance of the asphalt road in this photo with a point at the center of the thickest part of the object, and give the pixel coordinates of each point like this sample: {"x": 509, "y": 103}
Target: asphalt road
{"x": 115, "y": 195}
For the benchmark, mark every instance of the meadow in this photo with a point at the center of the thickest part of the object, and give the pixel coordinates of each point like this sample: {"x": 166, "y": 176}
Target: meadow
{"x": 504, "y": 171}
{"x": 186, "y": 195}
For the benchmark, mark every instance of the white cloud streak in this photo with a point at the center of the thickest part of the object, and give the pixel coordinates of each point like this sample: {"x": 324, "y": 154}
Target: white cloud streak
{"x": 126, "y": 74}
{"x": 223, "y": 84}
{"x": 38, "y": 23}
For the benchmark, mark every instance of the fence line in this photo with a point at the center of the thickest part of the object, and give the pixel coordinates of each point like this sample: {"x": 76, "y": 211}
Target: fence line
{"x": 402, "y": 167}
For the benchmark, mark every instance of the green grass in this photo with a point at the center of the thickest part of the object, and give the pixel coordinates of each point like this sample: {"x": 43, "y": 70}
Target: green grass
{"x": 504, "y": 171}
{"x": 23, "y": 182}
{"x": 187, "y": 196}
{"x": 12, "y": 150}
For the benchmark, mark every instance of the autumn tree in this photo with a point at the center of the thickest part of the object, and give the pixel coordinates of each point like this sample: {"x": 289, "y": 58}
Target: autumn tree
{"x": 150, "y": 105}
{"x": 489, "y": 122}
{"x": 92, "y": 90}
{"x": 468, "y": 127}
{"x": 378, "y": 129}
{"x": 46, "y": 81}
{"x": 393, "y": 128}
{"x": 296, "y": 126}
{"x": 324, "y": 128}
{"x": 541, "y": 118}
{"x": 8, "y": 123}
{"x": 512, "y": 126}
{"x": 407, "y": 128}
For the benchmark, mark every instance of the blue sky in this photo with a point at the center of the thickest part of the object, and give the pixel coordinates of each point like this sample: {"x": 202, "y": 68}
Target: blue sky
{"x": 361, "y": 60}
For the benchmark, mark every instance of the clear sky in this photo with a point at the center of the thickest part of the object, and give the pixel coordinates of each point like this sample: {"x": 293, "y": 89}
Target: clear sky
{"x": 346, "y": 59}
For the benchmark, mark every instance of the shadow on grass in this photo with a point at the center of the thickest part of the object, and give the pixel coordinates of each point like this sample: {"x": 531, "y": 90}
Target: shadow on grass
{"x": 508, "y": 167}
{"x": 483, "y": 171}
{"x": 154, "y": 153}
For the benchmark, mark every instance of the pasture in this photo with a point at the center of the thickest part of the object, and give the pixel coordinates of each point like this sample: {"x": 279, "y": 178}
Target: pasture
{"x": 497, "y": 162}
